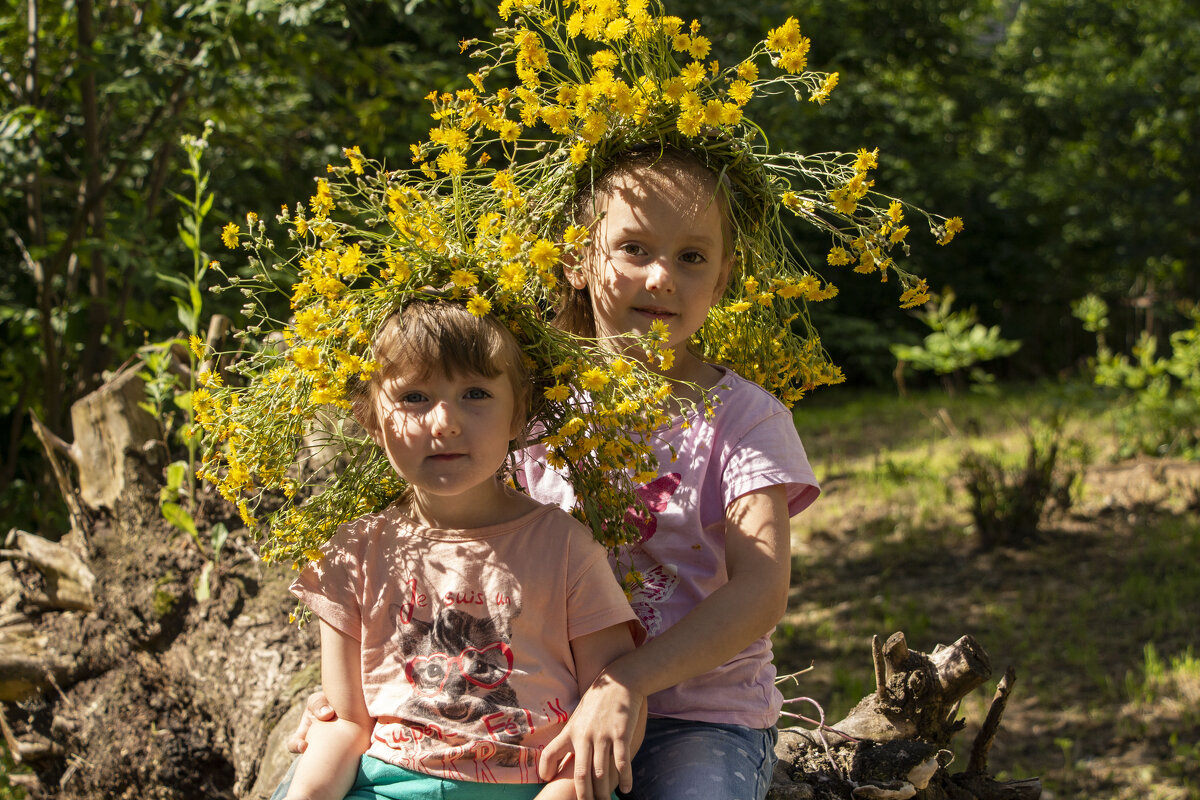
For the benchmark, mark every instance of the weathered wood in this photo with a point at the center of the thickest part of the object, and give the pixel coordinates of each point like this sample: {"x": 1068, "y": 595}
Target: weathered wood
{"x": 67, "y": 580}
{"x": 991, "y": 723}
{"x": 899, "y": 733}
{"x": 105, "y": 424}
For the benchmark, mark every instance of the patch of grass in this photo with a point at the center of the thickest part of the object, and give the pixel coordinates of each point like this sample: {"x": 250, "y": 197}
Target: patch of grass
{"x": 7, "y": 767}
{"x": 890, "y": 546}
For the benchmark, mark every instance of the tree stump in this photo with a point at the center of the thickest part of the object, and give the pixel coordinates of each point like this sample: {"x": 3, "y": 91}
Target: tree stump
{"x": 891, "y": 746}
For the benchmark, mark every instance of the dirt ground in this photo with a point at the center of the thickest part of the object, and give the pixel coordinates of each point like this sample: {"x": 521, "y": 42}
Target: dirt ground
{"x": 1074, "y": 612}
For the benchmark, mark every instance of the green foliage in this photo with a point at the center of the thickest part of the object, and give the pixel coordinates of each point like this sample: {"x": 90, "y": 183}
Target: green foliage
{"x": 8, "y": 767}
{"x": 1157, "y": 395}
{"x": 958, "y": 342}
{"x": 89, "y": 145}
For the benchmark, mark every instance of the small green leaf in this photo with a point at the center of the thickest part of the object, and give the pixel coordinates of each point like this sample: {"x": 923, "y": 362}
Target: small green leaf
{"x": 219, "y": 534}
{"x": 189, "y": 241}
{"x": 202, "y": 588}
{"x": 181, "y": 519}
{"x": 176, "y": 472}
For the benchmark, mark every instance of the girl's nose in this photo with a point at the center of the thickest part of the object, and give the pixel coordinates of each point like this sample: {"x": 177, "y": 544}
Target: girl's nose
{"x": 443, "y": 421}
{"x": 658, "y": 278}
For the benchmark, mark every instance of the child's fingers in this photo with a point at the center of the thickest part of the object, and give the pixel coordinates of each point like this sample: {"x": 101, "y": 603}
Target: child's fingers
{"x": 550, "y": 762}
{"x": 318, "y": 706}
{"x": 583, "y": 772}
{"x": 602, "y": 773}
{"x": 624, "y": 765}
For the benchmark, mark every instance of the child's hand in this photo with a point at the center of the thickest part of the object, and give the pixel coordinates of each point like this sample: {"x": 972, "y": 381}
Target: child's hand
{"x": 602, "y": 735}
{"x": 317, "y": 708}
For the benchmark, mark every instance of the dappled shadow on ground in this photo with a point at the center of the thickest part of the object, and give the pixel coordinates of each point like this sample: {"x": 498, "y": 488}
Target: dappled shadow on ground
{"x": 1097, "y": 614}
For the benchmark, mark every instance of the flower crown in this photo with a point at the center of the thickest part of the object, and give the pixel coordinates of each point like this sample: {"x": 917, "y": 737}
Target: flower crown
{"x": 567, "y": 88}
{"x": 484, "y": 219}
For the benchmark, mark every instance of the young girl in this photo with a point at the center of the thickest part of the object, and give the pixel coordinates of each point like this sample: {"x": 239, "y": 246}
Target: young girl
{"x": 460, "y": 625}
{"x": 713, "y": 567}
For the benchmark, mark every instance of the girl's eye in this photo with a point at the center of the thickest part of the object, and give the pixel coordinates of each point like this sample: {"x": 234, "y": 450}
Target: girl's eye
{"x": 693, "y": 257}
{"x": 475, "y": 393}
{"x": 632, "y": 249}
{"x": 412, "y": 398}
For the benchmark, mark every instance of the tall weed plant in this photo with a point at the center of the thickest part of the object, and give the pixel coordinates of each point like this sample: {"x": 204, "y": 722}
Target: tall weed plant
{"x": 1008, "y": 503}
{"x": 170, "y": 389}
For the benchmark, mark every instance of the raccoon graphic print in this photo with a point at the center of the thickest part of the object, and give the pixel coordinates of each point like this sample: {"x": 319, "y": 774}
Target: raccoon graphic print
{"x": 465, "y": 634}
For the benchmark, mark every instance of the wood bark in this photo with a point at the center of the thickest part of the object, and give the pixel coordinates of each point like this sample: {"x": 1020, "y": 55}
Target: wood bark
{"x": 117, "y": 682}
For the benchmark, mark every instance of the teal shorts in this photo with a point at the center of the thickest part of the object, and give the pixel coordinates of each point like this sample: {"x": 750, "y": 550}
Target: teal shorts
{"x": 378, "y": 780}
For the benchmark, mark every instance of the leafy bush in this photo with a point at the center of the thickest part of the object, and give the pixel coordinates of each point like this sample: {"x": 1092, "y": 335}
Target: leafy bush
{"x": 1157, "y": 396}
{"x": 958, "y": 342}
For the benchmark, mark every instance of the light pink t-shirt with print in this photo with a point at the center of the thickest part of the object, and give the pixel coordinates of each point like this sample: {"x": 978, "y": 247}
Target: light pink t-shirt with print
{"x": 750, "y": 443}
{"x": 465, "y": 634}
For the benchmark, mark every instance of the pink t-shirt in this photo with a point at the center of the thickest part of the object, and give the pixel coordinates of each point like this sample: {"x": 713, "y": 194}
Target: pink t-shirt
{"x": 750, "y": 443}
{"x": 465, "y": 634}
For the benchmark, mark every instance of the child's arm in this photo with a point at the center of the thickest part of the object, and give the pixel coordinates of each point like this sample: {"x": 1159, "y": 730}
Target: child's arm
{"x": 758, "y": 560}
{"x": 599, "y": 760}
{"x": 331, "y": 759}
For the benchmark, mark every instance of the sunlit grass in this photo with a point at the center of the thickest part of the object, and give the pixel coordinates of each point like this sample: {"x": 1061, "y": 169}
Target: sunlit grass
{"x": 1096, "y": 613}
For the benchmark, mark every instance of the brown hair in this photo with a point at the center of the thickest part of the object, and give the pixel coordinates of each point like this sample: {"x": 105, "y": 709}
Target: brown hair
{"x": 425, "y": 336}
{"x": 573, "y": 309}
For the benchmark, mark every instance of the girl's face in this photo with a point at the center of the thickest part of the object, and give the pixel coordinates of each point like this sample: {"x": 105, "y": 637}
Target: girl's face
{"x": 658, "y": 254}
{"x": 446, "y": 435}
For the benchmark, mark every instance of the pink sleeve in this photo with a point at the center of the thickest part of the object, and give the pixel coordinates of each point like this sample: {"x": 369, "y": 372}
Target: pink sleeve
{"x": 329, "y": 586}
{"x": 595, "y": 600}
{"x": 768, "y": 454}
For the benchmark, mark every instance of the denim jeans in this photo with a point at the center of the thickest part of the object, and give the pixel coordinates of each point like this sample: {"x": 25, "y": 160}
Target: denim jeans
{"x": 681, "y": 759}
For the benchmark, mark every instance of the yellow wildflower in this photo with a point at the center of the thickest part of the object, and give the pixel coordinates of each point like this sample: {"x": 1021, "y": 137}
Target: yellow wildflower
{"x": 953, "y": 225}
{"x": 915, "y": 296}
{"x": 616, "y": 30}
{"x": 479, "y": 306}
{"x": 356, "y": 158}
{"x": 464, "y": 279}
{"x": 229, "y": 235}
{"x": 740, "y": 92}
{"x": 196, "y": 344}
{"x": 698, "y": 47}
{"x": 593, "y": 380}
{"x": 895, "y": 211}
{"x": 544, "y": 254}
{"x": 512, "y": 277}
{"x": 451, "y": 162}
{"x": 866, "y": 159}
{"x": 795, "y": 59}
{"x": 558, "y": 393}
{"x": 693, "y": 74}
{"x": 837, "y": 257}
{"x": 785, "y": 36}
{"x": 821, "y": 95}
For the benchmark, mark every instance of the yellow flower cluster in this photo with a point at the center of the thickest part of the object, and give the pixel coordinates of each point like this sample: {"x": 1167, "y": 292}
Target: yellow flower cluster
{"x": 589, "y": 79}
{"x": 377, "y": 240}
{"x": 481, "y": 218}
